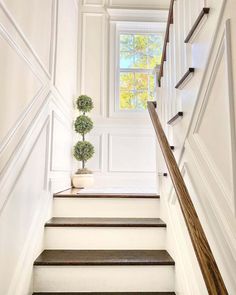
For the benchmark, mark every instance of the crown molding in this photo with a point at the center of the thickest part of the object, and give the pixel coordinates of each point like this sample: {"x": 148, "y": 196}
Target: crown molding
{"x": 154, "y": 15}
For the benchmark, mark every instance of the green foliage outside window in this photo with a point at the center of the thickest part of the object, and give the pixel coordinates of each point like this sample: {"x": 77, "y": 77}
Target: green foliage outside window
{"x": 139, "y": 54}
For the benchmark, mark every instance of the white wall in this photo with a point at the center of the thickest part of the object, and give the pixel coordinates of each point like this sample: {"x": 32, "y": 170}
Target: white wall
{"x": 38, "y": 69}
{"x": 204, "y": 139}
{"x": 124, "y": 144}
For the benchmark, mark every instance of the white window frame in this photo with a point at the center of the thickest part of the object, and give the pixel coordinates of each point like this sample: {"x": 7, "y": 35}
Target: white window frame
{"x": 116, "y": 29}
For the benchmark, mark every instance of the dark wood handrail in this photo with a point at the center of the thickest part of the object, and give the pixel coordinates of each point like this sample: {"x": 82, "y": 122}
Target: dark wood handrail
{"x": 166, "y": 40}
{"x": 211, "y": 274}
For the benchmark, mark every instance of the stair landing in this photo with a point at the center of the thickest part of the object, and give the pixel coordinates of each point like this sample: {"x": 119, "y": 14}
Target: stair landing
{"x": 80, "y": 193}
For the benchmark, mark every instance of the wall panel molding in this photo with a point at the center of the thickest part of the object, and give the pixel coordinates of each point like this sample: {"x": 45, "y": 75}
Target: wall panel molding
{"x": 223, "y": 55}
{"x": 32, "y": 247}
{"x": 157, "y": 4}
{"x": 180, "y": 244}
{"x": 60, "y": 150}
{"x": 205, "y": 138}
{"x": 97, "y": 69}
{"x": 30, "y": 171}
{"x": 218, "y": 220}
{"x": 19, "y": 132}
{"x": 96, "y": 163}
{"x": 220, "y": 206}
{"x": 95, "y": 40}
{"x": 93, "y": 3}
{"x": 15, "y": 38}
{"x": 66, "y": 62}
{"x": 22, "y": 64}
{"x": 132, "y": 153}
{"x": 20, "y": 157}
{"x": 27, "y": 157}
{"x": 13, "y": 27}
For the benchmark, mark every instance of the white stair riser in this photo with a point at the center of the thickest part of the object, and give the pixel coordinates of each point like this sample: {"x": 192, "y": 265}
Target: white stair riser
{"x": 93, "y": 207}
{"x": 103, "y": 278}
{"x": 104, "y": 238}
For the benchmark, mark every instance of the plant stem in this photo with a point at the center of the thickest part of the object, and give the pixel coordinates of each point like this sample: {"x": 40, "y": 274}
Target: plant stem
{"x": 83, "y": 138}
{"x": 83, "y": 162}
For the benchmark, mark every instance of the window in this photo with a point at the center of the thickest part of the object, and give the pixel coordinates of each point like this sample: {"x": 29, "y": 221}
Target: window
{"x": 139, "y": 54}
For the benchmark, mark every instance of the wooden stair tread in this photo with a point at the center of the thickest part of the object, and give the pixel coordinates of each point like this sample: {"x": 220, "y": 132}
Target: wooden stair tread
{"x": 104, "y": 257}
{"x": 104, "y": 293}
{"x": 71, "y": 193}
{"x": 104, "y": 222}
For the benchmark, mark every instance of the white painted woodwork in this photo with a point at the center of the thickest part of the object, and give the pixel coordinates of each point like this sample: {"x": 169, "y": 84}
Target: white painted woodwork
{"x": 93, "y": 82}
{"x": 161, "y": 4}
{"x": 66, "y": 51}
{"x": 61, "y": 149}
{"x": 105, "y": 238}
{"x": 123, "y": 159}
{"x": 39, "y": 22}
{"x": 38, "y": 45}
{"x": 127, "y": 153}
{"x": 93, "y": 3}
{"x": 104, "y": 278}
{"x": 38, "y": 51}
{"x": 19, "y": 216}
{"x": 19, "y": 81}
{"x": 204, "y": 139}
{"x": 130, "y": 160}
{"x": 99, "y": 207}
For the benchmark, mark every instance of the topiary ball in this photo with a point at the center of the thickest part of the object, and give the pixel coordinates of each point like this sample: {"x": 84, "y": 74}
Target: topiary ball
{"x": 84, "y": 103}
{"x": 83, "y": 124}
{"x": 83, "y": 151}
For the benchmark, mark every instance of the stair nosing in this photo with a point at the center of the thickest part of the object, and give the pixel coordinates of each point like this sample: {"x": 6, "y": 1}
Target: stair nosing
{"x": 104, "y": 258}
{"x": 108, "y": 196}
{"x": 103, "y": 293}
{"x": 105, "y": 222}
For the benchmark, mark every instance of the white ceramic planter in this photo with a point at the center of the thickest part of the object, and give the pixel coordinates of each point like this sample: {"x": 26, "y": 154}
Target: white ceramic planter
{"x": 82, "y": 180}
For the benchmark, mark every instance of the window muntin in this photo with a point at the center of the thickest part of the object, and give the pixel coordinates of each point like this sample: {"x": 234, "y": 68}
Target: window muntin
{"x": 139, "y": 53}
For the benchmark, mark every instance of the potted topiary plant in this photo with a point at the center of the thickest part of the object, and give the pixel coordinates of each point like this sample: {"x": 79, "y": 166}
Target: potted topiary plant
{"x": 83, "y": 150}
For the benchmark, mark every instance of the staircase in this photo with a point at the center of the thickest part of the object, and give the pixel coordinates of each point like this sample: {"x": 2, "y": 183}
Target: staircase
{"x": 104, "y": 244}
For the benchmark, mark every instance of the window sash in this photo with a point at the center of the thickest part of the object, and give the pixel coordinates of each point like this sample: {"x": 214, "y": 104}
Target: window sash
{"x": 134, "y": 90}
{"x": 120, "y": 70}
{"x": 132, "y": 70}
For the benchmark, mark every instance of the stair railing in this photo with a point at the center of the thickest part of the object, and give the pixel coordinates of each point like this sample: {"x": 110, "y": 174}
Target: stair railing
{"x": 211, "y": 274}
{"x": 166, "y": 40}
